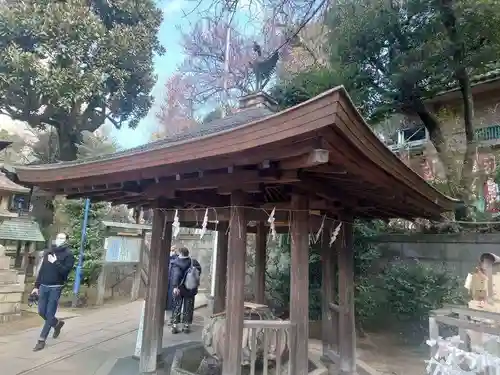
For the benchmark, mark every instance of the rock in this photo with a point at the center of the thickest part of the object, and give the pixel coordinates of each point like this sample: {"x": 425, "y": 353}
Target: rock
{"x": 210, "y": 366}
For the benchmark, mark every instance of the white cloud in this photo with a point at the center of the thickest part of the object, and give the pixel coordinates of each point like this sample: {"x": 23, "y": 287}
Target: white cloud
{"x": 19, "y": 128}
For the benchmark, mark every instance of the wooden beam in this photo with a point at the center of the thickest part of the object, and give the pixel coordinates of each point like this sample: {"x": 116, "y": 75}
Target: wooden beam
{"x": 221, "y": 268}
{"x": 248, "y": 188}
{"x": 216, "y": 180}
{"x": 329, "y": 170}
{"x": 299, "y": 280}
{"x": 224, "y": 214}
{"x": 260, "y": 264}
{"x": 347, "y": 326}
{"x": 311, "y": 159}
{"x": 154, "y": 310}
{"x": 235, "y": 286}
{"x": 314, "y": 204}
{"x": 321, "y": 189}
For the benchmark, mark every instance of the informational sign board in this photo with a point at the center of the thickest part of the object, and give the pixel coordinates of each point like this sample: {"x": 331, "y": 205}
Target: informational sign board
{"x": 122, "y": 249}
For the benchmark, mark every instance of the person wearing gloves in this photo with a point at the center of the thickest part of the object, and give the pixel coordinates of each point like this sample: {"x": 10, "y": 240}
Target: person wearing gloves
{"x": 56, "y": 265}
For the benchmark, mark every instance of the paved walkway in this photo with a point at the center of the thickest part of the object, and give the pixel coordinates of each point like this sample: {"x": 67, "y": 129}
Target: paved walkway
{"x": 88, "y": 345}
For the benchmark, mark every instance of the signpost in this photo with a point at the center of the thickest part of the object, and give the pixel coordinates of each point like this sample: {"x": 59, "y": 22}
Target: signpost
{"x": 123, "y": 247}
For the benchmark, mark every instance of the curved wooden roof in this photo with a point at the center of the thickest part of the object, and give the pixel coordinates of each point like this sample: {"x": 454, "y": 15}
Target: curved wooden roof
{"x": 7, "y": 185}
{"x": 322, "y": 147}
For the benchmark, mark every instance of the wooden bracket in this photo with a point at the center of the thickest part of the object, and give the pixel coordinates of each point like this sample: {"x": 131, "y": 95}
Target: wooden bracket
{"x": 311, "y": 159}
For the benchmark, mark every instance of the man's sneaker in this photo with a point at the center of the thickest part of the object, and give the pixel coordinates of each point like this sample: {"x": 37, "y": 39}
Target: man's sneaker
{"x": 175, "y": 329}
{"x": 39, "y": 346}
{"x": 186, "y": 328}
{"x": 57, "y": 328}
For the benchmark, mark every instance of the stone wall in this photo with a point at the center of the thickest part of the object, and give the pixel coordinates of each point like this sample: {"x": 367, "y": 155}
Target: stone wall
{"x": 459, "y": 252}
{"x": 11, "y": 289}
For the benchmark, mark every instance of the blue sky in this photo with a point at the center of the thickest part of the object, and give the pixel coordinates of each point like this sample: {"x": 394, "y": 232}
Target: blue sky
{"x": 164, "y": 65}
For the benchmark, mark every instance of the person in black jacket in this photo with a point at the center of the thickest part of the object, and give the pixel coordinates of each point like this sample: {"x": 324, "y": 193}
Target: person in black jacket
{"x": 183, "y": 298}
{"x": 56, "y": 265}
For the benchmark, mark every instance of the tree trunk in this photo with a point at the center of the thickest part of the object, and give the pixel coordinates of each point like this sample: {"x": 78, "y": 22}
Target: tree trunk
{"x": 450, "y": 23}
{"x": 470, "y": 150}
{"x": 68, "y": 139}
{"x": 436, "y": 136}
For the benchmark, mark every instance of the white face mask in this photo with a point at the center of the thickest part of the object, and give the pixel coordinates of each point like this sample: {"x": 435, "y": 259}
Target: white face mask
{"x": 60, "y": 240}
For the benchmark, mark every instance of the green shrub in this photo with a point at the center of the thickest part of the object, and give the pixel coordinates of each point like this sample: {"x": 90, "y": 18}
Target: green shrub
{"x": 412, "y": 289}
{"x": 398, "y": 295}
{"x": 94, "y": 243}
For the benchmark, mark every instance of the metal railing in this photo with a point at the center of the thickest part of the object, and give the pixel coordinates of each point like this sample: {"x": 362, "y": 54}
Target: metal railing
{"x": 487, "y": 133}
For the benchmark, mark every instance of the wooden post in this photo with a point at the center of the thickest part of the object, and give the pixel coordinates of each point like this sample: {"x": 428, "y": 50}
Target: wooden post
{"x": 101, "y": 280}
{"x": 26, "y": 255}
{"x": 166, "y": 244}
{"x": 260, "y": 264}
{"x": 299, "y": 280}
{"x": 235, "y": 285}
{"x": 101, "y": 285}
{"x": 154, "y": 311}
{"x": 220, "y": 272}
{"x": 136, "y": 285}
{"x": 347, "y": 328}
{"x": 329, "y": 319}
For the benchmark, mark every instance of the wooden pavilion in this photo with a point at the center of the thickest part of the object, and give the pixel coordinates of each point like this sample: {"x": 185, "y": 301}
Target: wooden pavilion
{"x": 317, "y": 163}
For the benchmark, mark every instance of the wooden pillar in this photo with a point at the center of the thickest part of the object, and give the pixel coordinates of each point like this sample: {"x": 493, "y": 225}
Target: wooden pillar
{"x": 299, "y": 280}
{"x": 166, "y": 244}
{"x": 136, "y": 284}
{"x": 18, "y": 260}
{"x": 102, "y": 279}
{"x": 220, "y": 272}
{"x": 260, "y": 264}
{"x": 155, "y": 297}
{"x": 329, "y": 319}
{"x": 26, "y": 256}
{"x": 235, "y": 285}
{"x": 347, "y": 327}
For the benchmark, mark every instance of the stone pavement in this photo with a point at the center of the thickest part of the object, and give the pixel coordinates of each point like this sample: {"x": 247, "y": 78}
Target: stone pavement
{"x": 89, "y": 344}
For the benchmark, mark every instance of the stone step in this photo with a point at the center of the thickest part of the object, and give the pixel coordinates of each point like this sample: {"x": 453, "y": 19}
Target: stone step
{"x": 4, "y": 318}
{"x": 11, "y": 288}
{"x": 11, "y": 297}
{"x": 10, "y": 308}
{"x": 4, "y": 263}
{"x": 8, "y": 276}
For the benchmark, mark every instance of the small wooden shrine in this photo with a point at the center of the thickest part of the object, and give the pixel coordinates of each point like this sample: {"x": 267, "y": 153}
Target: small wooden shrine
{"x": 303, "y": 170}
